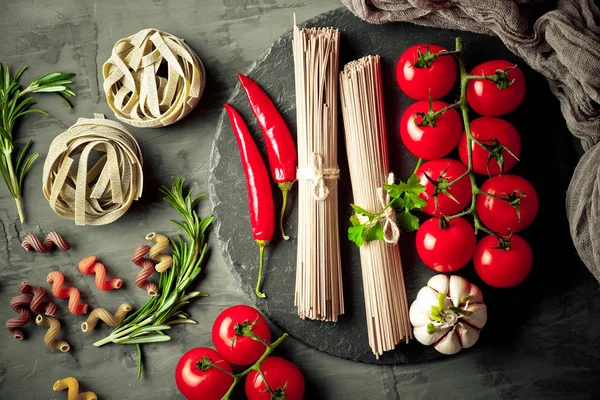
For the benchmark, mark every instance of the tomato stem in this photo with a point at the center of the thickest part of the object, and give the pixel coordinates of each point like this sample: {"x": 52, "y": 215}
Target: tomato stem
{"x": 462, "y": 104}
{"x": 255, "y": 367}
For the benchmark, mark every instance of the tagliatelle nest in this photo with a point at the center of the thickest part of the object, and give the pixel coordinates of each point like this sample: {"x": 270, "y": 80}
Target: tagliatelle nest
{"x": 152, "y": 79}
{"x": 99, "y": 194}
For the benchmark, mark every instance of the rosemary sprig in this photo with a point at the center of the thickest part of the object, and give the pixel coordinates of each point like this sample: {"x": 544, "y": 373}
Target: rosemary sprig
{"x": 149, "y": 323}
{"x": 14, "y": 105}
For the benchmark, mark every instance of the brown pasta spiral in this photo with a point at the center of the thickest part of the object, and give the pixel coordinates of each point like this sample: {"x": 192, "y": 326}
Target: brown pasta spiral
{"x": 52, "y": 239}
{"x": 19, "y": 304}
{"x": 141, "y": 279}
{"x": 53, "y": 329}
{"x": 138, "y": 90}
{"x": 103, "y": 193}
{"x": 162, "y": 242}
{"x": 101, "y": 314}
{"x": 39, "y": 302}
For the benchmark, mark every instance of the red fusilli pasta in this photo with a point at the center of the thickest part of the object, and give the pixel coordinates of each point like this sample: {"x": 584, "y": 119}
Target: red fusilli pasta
{"x": 58, "y": 290}
{"x": 141, "y": 279}
{"x": 89, "y": 265}
{"x": 19, "y": 304}
{"x": 52, "y": 239}
{"x": 39, "y": 303}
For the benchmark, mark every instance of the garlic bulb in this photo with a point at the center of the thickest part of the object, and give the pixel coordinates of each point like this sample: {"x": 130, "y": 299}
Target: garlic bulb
{"x": 448, "y": 314}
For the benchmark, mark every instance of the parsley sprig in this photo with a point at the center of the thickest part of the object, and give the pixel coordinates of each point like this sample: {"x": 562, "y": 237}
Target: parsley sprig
{"x": 404, "y": 197}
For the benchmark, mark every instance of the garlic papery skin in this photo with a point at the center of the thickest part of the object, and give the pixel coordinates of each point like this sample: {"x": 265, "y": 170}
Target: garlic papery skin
{"x": 448, "y": 313}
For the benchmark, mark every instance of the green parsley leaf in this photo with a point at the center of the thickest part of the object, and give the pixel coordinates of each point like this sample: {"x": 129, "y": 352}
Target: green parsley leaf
{"x": 414, "y": 186}
{"x": 357, "y": 234}
{"x": 361, "y": 211}
{"x": 375, "y": 232}
{"x": 412, "y": 202}
{"x": 408, "y": 221}
{"x": 398, "y": 203}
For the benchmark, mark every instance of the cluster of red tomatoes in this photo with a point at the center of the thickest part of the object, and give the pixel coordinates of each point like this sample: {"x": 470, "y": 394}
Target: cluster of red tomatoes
{"x": 205, "y": 374}
{"x": 510, "y": 203}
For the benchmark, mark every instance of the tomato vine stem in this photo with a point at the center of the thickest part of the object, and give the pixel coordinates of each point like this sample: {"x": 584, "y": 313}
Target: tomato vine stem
{"x": 254, "y": 367}
{"x": 462, "y": 104}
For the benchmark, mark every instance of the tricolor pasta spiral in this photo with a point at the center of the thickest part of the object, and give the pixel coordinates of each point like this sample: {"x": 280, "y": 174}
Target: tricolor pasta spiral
{"x": 101, "y": 314}
{"x": 19, "y": 304}
{"x": 141, "y": 279}
{"x": 58, "y": 290}
{"x": 162, "y": 242}
{"x": 53, "y": 329}
{"x": 72, "y": 385}
{"x": 52, "y": 239}
{"x": 89, "y": 265}
{"x": 39, "y": 303}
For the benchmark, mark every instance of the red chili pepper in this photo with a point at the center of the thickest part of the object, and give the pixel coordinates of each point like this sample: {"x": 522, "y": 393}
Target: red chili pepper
{"x": 260, "y": 197}
{"x": 281, "y": 149}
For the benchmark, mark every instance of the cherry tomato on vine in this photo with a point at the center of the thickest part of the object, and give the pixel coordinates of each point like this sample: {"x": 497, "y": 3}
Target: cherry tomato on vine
{"x": 485, "y": 161}
{"x": 444, "y": 171}
{"x": 239, "y": 349}
{"x": 430, "y": 139}
{"x": 284, "y": 379}
{"x": 445, "y": 249}
{"x": 501, "y": 97}
{"x": 505, "y": 217}
{"x": 503, "y": 267}
{"x": 196, "y": 384}
{"x": 421, "y": 75}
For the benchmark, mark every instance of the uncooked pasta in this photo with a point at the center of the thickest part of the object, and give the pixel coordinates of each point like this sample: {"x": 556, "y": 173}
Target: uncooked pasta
{"x": 152, "y": 79}
{"x": 319, "y": 293}
{"x": 52, "y": 239}
{"x": 53, "y": 330}
{"x": 90, "y": 265}
{"x": 102, "y": 314}
{"x": 156, "y": 252}
{"x": 72, "y": 386}
{"x": 39, "y": 302}
{"x": 103, "y": 193}
{"x": 57, "y": 279}
{"x": 19, "y": 304}
{"x": 141, "y": 279}
{"x": 383, "y": 281}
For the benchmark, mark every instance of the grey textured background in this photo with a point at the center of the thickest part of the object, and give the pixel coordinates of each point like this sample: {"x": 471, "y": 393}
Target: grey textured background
{"x": 228, "y": 35}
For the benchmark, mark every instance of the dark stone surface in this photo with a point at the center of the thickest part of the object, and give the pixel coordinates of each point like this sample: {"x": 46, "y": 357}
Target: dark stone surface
{"x": 544, "y": 322}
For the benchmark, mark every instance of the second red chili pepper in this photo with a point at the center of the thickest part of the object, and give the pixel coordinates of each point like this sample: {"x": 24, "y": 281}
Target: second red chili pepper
{"x": 281, "y": 149}
{"x": 260, "y": 197}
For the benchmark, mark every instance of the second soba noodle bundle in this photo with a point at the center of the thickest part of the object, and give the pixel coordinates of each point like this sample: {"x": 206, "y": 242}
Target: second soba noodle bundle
{"x": 366, "y": 145}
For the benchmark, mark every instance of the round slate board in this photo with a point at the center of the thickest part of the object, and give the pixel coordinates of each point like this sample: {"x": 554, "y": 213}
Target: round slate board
{"x": 547, "y": 161}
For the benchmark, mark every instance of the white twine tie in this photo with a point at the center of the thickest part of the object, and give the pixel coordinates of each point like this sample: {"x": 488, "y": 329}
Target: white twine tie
{"x": 318, "y": 175}
{"x": 391, "y": 231}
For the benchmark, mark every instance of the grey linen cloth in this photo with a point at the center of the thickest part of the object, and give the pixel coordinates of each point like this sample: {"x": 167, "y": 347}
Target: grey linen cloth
{"x": 560, "y": 40}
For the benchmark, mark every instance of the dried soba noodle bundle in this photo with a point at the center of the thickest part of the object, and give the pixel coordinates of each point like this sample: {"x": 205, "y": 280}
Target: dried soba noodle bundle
{"x": 383, "y": 281}
{"x": 99, "y": 194}
{"x": 319, "y": 293}
{"x": 152, "y": 79}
